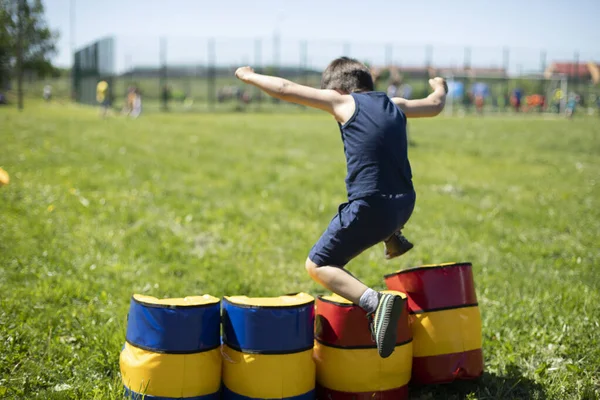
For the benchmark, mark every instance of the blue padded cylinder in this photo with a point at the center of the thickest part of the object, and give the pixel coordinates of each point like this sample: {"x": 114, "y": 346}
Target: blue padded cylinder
{"x": 268, "y": 329}
{"x": 172, "y": 329}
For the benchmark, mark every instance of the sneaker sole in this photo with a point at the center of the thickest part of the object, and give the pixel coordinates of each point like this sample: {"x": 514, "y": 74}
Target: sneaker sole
{"x": 394, "y": 255}
{"x": 388, "y": 344}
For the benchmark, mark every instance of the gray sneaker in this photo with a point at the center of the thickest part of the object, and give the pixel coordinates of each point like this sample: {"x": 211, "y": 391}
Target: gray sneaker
{"x": 384, "y": 323}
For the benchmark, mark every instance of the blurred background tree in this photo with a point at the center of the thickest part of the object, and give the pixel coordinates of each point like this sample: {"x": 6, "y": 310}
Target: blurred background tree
{"x": 26, "y": 43}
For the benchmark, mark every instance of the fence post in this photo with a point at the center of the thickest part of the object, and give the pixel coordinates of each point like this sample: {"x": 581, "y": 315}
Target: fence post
{"x": 428, "y": 55}
{"x": 304, "y": 61}
{"x": 72, "y": 42}
{"x": 543, "y": 69}
{"x": 304, "y": 64}
{"x": 128, "y": 75}
{"x": 21, "y": 7}
{"x": 276, "y": 57}
{"x": 543, "y": 61}
{"x": 576, "y": 72}
{"x": 564, "y": 86}
{"x": 258, "y": 63}
{"x": 211, "y": 74}
{"x": 505, "y": 62}
{"x": 162, "y": 89}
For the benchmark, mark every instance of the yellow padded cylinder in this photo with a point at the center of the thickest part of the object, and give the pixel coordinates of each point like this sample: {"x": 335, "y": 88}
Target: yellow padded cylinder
{"x": 268, "y": 376}
{"x": 171, "y": 375}
{"x": 446, "y": 331}
{"x": 362, "y": 370}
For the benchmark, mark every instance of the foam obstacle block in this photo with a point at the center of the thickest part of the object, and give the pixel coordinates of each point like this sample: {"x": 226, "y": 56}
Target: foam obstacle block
{"x": 445, "y": 321}
{"x": 348, "y": 364}
{"x": 267, "y": 347}
{"x": 172, "y": 348}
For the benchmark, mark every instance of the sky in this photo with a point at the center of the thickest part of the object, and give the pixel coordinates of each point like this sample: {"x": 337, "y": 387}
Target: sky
{"x": 360, "y": 29}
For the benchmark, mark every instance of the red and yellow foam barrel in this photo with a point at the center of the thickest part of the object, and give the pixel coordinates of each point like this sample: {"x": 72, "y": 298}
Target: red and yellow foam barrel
{"x": 267, "y": 347}
{"x": 348, "y": 364}
{"x": 172, "y": 348}
{"x": 445, "y": 321}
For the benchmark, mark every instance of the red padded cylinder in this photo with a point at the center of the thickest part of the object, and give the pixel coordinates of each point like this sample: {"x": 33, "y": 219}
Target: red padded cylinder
{"x": 445, "y": 321}
{"x": 348, "y": 363}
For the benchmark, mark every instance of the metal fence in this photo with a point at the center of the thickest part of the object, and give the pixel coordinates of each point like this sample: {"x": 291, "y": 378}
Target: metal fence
{"x": 195, "y": 74}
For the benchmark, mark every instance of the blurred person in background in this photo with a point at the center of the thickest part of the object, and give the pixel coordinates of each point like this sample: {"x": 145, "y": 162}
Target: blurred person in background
{"x": 128, "y": 107}
{"x": 516, "y": 99}
{"x": 572, "y": 101}
{"x": 136, "y": 106}
{"x": 557, "y": 99}
{"x": 103, "y": 98}
{"x": 47, "y": 92}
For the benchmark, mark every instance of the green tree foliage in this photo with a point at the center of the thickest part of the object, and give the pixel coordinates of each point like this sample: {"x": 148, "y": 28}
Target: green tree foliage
{"x": 38, "y": 41}
{"x": 5, "y": 43}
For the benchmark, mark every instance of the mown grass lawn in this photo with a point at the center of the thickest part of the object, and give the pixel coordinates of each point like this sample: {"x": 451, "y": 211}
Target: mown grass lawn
{"x": 171, "y": 205}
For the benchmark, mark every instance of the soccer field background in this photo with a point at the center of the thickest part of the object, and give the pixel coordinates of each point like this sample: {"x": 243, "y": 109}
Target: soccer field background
{"x": 172, "y": 205}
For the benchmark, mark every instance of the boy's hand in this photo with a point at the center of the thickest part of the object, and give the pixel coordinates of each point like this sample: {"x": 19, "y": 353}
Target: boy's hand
{"x": 438, "y": 82}
{"x": 244, "y": 73}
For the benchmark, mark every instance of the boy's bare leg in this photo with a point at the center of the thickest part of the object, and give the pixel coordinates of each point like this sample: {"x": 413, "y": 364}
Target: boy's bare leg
{"x": 337, "y": 280}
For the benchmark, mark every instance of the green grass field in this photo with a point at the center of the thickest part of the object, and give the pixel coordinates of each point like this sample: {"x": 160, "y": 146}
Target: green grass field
{"x": 225, "y": 204}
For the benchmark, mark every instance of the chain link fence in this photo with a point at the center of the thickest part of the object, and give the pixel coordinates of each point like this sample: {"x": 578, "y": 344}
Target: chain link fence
{"x": 197, "y": 74}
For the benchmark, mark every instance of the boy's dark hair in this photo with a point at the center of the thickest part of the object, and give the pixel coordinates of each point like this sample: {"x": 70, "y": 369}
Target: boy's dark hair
{"x": 347, "y": 75}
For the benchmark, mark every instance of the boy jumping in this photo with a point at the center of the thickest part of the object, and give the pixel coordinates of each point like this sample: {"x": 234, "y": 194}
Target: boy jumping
{"x": 381, "y": 195}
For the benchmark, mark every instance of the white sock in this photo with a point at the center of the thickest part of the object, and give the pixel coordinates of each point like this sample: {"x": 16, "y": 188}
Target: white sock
{"x": 369, "y": 300}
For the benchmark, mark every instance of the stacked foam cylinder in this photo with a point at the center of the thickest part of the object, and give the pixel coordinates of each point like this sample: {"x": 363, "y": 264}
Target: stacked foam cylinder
{"x": 267, "y": 347}
{"x": 172, "y": 348}
{"x": 348, "y": 364}
{"x": 445, "y": 321}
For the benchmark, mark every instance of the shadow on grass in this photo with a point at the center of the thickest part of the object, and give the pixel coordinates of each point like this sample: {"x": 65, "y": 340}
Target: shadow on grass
{"x": 512, "y": 385}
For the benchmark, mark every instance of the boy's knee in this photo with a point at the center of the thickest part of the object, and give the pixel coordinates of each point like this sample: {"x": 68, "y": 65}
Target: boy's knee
{"x": 311, "y": 267}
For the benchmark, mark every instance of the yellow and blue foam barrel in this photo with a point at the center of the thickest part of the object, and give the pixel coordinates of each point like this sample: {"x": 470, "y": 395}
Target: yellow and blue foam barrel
{"x": 267, "y": 347}
{"x": 348, "y": 364}
{"x": 445, "y": 321}
{"x": 172, "y": 348}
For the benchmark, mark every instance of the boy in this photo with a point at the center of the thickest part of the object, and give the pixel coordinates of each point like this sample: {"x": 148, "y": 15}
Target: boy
{"x": 381, "y": 197}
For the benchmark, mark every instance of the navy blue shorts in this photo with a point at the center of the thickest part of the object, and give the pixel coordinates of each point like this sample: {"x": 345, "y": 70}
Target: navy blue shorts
{"x": 359, "y": 225}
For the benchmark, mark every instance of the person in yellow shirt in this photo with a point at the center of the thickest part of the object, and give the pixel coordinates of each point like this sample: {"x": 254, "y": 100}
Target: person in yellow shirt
{"x": 557, "y": 99}
{"x": 102, "y": 97}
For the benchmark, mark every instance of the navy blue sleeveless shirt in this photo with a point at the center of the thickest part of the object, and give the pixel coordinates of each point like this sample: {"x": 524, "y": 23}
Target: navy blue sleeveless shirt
{"x": 375, "y": 146}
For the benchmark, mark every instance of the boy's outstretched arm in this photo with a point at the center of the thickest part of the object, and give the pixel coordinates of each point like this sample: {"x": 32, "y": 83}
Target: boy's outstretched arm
{"x": 430, "y": 106}
{"x": 283, "y": 89}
